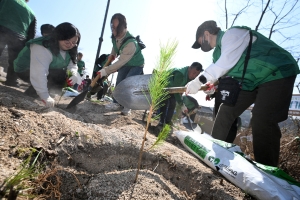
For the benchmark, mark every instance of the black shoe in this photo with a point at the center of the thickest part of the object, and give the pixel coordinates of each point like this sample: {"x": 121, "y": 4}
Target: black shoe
{"x": 31, "y": 92}
{"x": 11, "y": 83}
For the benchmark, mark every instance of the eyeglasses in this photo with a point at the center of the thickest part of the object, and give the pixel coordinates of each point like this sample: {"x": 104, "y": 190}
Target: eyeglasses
{"x": 68, "y": 42}
{"x": 112, "y": 27}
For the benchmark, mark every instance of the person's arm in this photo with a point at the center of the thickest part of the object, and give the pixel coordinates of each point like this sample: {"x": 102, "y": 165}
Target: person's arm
{"x": 127, "y": 53}
{"x": 40, "y": 59}
{"x": 234, "y": 43}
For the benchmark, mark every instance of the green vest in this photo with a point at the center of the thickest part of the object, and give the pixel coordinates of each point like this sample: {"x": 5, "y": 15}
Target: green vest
{"x": 137, "y": 59}
{"x": 179, "y": 78}
{"x": 16, "y": 16}
{"x": 80, "y": 65}
{"x": 267, "y": 62}
{"x": 22, "y": 62}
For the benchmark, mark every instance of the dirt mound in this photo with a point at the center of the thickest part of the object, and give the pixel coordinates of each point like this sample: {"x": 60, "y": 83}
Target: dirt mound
{"x": 95, "y": 151}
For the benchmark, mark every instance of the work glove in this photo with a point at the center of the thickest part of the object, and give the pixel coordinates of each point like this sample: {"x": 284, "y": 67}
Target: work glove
{"x": 207, "y": 98}
{"x": 211, "y": 88}
{"x": 75, "y": 78}
{"x": 102, "y": 72}
{"x": 49, "y": 102}
{"x": 193, "y": 86}
{"x": 184, "y": 109}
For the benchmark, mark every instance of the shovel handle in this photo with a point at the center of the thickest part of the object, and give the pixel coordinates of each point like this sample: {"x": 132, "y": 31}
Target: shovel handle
{"x": 94, "y": 81}
{"x": 174, "y": 90}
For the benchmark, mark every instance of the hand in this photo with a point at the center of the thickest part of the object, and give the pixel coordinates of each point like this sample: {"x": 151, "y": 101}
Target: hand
{"x": 184, "y": 109}
{"x": 193, "y": 86}
{"x": 111, "y": 57}
{"x": 74, "y": 79}
{"x": 102, "y": 73}
{"x": 207, "y": 98}
{"x": 49, "y": 102}
{"x": 210, "y": 88}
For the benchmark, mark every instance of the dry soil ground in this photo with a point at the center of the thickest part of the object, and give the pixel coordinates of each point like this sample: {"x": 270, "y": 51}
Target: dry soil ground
{"x": 91, "y": 152}
{"x": 97, "y": 157}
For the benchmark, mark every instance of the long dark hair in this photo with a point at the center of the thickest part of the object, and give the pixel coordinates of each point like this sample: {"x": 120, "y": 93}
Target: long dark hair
{"x": 63, "y": 31}
{"x": 122, "y": 23}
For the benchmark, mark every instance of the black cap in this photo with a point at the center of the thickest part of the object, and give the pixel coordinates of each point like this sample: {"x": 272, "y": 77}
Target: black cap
{"x": 205, "y": 26}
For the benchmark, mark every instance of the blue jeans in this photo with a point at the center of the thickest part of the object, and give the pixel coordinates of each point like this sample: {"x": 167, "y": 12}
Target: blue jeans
{"x": 127, "y": 71}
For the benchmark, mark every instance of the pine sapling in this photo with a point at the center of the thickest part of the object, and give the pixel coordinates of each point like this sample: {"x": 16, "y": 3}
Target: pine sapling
{"x": 157, "y": 83}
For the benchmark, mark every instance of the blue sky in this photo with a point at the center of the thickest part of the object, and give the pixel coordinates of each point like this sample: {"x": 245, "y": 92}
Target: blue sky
{"x": 156, "y": 21}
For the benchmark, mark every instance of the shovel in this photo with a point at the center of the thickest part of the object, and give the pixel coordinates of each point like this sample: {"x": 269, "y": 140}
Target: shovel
{"x": 82, "y": 95}
{"x": 133, "y": 92}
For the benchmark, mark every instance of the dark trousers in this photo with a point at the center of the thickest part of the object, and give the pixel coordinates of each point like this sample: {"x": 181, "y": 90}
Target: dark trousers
{"x": 102, "y": 92}
{"x": 56, "y": 78}
{"x": 127, "y": 71}
{"x": 234, "y": 127}
{"x": 167, "y": 110}
{"x": 271, "y": 104}
{"x": 14, "y": 45}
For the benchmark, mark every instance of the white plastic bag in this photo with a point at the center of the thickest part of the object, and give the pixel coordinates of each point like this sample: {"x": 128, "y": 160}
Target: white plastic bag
{"x": 223, "y": 157}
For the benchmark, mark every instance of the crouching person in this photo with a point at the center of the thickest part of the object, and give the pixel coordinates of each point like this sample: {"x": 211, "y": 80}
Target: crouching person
{"x": 49, "y": 62}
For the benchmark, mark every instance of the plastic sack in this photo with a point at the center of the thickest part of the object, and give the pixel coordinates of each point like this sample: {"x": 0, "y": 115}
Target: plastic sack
{"x": 250, "y": 177}
{"x": 69, "y": 92}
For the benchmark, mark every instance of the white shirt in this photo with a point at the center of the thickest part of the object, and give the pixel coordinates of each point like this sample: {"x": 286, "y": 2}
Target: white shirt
{"x": 233, "y": 44}
{"x": 40, "y": 60}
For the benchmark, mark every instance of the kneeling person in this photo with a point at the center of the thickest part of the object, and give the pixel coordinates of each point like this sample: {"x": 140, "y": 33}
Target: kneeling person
{"x": 44, "y": 62}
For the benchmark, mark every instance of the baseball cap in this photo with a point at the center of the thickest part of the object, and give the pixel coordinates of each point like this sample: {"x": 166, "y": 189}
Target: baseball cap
{"x": 205, "y": 26}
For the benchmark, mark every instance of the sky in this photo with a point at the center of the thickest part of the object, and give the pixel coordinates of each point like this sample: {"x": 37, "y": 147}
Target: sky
{"x": 156, "y": 21}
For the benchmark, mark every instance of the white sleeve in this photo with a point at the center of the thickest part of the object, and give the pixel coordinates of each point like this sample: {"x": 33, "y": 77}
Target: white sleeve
{"x": 234, "y": 43}
{"x": 40, "y": 59}
{"x": 72, "y": 67}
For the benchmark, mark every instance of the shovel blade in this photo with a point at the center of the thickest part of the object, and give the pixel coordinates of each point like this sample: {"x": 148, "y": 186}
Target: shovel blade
{"x": 77, "y": 99}
{"x": 128, "y": 92}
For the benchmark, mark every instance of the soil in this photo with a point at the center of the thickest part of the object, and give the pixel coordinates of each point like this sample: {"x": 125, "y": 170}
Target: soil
{"x": 93, "y": 152}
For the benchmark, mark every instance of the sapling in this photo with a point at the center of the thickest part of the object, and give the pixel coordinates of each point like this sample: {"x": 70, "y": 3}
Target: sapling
{"x": 15, "y": 183}
{"x": 157, "y": 83}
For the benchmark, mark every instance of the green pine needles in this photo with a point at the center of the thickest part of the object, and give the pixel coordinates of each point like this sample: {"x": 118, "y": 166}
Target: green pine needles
{"x": 157, "y": 83}
{"x": 19, "y": 182}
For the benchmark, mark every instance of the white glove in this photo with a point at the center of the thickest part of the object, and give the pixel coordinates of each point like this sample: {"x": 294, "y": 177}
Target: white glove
{"x": 184, "y": 109}
{"x": 49, "y": 102}
{"x": 211, "y": 88}
{"x": 102, "y": 72}
{"x": 75, "y": 79}
{"x": 193, "y": 86}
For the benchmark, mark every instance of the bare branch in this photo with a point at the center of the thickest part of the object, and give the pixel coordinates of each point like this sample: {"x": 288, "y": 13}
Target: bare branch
{"x": 278, "y": 19}
{"x": 240, "y": 12}
{"x": 262, "y": 14}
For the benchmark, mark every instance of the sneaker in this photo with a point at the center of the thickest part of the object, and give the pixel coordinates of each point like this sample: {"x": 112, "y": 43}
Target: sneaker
{"x": 113, "y": 106}
{"x": 126, "y": 111}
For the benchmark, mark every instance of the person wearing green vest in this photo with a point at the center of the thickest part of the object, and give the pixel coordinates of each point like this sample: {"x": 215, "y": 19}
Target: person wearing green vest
{"x": 80, "y": 63}
{"x": 46, "y": 29}
{"x": 131, "y": 59}
{"x": 17, "y": 25}
{"x": 50, "y": 62}
{"x": 268, "y": 84}
{"x": 101, "y": 87}
{"x": 81, "y": 67}
{"x": 179, "y": 77}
